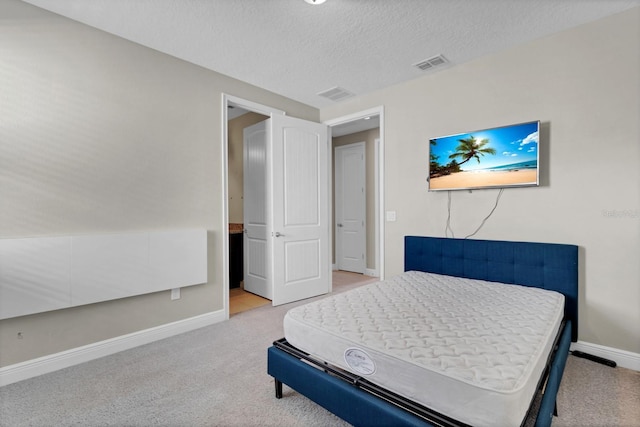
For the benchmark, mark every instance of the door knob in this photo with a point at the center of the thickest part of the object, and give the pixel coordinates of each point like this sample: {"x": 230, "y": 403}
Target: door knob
{"x": 339, "y": 225}
{"x": 278, "y": 234}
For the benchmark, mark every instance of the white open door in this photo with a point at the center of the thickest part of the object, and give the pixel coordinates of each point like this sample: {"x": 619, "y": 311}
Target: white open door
{"x": 350, "y": 207}
{"x": 299, "y": 207}
{"x": 255, "y": 243}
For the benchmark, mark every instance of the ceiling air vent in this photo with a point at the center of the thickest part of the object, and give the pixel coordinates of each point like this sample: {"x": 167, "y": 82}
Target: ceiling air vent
{"x": 336, "y": 93}
{"x": 430, "y": 63}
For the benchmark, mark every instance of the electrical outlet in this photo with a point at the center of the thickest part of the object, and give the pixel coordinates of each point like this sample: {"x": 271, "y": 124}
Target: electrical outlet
{"x": 175, "y": 293}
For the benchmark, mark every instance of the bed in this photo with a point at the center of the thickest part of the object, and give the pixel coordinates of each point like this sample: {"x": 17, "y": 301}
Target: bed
{"x": 418, "y": 366}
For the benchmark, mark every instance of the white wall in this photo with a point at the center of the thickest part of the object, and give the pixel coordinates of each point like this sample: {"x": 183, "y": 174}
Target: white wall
{"x": 583, "y": 85}
{"x": 101, "y": 135}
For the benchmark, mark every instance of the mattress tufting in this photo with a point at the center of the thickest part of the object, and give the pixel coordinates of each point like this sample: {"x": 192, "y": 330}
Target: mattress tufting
{"x": 470, "y": 349}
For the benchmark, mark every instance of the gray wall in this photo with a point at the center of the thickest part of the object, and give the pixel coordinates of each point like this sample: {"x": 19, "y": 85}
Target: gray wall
{"x": 101, "y": 135}
{"x": 583, "y": 85}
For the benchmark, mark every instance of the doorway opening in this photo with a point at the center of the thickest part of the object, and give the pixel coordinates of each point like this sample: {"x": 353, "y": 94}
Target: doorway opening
{"x": 365, "y": 129}
{"x": 232, "y": 107}
{"x": 237, "y": 115}
{"x": 286, "y": 216}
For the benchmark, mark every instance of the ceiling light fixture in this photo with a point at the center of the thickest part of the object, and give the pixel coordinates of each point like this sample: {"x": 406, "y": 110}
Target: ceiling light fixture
{"x": 314, "y": 2}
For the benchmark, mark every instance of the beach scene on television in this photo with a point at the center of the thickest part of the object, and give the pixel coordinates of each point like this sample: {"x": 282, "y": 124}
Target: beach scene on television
{"x": 491, "y": 158}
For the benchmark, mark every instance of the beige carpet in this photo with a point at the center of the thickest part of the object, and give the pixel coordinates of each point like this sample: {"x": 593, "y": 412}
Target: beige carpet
{"x": 216, "y": 376}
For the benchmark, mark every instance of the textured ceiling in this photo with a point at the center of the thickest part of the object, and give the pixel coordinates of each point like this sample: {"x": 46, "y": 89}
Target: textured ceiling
{"x": 297, "y": 50}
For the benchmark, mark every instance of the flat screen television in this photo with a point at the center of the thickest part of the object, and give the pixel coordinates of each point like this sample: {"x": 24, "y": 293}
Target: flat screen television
{"x": 499, "y": 157}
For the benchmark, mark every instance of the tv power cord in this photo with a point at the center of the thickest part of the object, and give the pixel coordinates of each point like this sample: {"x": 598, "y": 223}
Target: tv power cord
{"x": 593, "y": 358}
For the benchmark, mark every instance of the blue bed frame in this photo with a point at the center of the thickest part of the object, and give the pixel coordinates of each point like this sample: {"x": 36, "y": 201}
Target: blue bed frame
{"x": 542, "y": 265}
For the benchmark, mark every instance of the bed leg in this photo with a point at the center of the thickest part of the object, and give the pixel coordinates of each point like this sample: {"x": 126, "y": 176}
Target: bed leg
{"x": 278, "y": 389}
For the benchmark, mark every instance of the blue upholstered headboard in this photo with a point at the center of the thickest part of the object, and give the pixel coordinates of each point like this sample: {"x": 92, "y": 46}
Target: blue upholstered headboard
{"x": 542, "y": 265}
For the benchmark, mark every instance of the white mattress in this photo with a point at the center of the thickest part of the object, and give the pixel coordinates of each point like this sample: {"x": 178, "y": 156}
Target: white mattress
{"x": 469, "y": 349}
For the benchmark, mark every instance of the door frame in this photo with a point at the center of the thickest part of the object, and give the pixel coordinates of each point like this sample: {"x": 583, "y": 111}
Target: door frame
{"x": 378, "y": 180}
{"x": 255, "y": 107}
{"x": 269, "y": 111}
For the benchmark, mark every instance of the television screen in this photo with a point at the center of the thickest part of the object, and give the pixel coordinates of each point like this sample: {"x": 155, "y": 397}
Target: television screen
{"x": 499, "y": 157}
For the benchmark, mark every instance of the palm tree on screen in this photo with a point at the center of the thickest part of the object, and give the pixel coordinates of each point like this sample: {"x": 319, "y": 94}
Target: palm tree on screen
{"x": 470, "y": 148}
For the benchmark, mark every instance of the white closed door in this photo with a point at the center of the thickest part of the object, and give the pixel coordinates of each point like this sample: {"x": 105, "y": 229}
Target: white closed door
{"x": 350, "y": 207}
{"x": 300, "y": 208}
{"x": 255, "y": 243}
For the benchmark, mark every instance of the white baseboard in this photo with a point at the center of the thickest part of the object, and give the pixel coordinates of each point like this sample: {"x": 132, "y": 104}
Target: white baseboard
{"x": 372, "y": 272}
{"x": 368, "y": 272}
{"x": 624, "y": 359}
{"x": 53, "y": 362}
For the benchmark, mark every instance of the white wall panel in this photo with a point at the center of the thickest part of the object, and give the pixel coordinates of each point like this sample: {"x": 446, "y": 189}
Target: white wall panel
{"x": 109, "y": 267}
{"x": 43, "y": 274}
{"x": 34, "y": 275}
{"x": 177, "y": 258}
